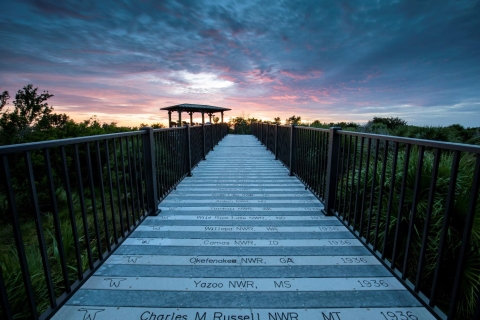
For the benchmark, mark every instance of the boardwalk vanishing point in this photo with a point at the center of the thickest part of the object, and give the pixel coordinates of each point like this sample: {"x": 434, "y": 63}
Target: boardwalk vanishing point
{"x": 242, "y": 240}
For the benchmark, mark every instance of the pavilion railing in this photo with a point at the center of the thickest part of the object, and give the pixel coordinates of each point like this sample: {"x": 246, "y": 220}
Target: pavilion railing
{"x": 413, "y": 203}
{"x": 66, "y": 205}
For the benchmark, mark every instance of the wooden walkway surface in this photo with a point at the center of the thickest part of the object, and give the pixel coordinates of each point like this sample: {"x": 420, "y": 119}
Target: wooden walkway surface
{"x": 241, "y": 240}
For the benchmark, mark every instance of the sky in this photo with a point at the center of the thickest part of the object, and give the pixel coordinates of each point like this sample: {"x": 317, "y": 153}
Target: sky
{"x": 323, "y": 60}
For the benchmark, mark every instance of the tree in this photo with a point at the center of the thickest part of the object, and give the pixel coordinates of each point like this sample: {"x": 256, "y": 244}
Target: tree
{"x": 216, "y": 119}
{"x": 277, "y": 120}
{"x": 157, "y": 125}
{"x": 30, "y": 110}
{"x": 293, "y": 120}
{"x": 3, "y": 99}
{"x": 390, "y": 123}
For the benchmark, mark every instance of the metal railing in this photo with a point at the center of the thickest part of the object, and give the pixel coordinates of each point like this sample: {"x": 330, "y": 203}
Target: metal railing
{"x": 413, "y": 203}
{"x": 68, "y": 204}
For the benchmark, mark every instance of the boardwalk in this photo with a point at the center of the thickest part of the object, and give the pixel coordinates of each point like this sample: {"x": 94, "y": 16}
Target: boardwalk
{"x": 241, "y": 240}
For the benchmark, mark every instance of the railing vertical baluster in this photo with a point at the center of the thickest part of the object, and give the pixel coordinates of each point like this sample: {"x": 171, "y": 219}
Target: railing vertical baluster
{"x": 94, "y": 203}
{"x": 338, "y": 175}
{"x": 359, "y": 179}
{"x": 380, "y": 195}
{"x": 316, "y": 174}
{"x": 266, "y": 140}
{"x": 56, "y": 220}
{"x": 102, "y": 196}
{"x": 400, "y": 205}
{"x": 188, "y": 152}
{"x": 136, "y": 170}
{"x": 352, "y": 181}
{"x": 117, "y": 184}
{"x": 276, "y": 141}
{"x": 390, "y": 198}
{"x": 413, "y": 210}
{"x": 364, "y": 197}
{"x": 292, "y": 148}
{"x": 40, "y": 236}
{"x": 346, "y": 178}
{"x": 110, "y": 189}
{"x": 428, "y": 217}
{"x": 160, "y": 151}
{"x": 141, "y": 168}
{"x": 372, "y": 190}
{"x": 150, "y": 171}
{"x": 334, "y": 145}
{"x": 83, "y": 208}
{"x": 203, "y": 139}
{"x": 17, "y": 234}
{"x": 341, "y": 175}
{"x": 211, "y": 135}
{"x": 125, "y": 189}
{"x": 71, "y": 211}
{"x": 446, "y": 221}
{"x": 324, "y": 146}
{"x": 130, "y": 178}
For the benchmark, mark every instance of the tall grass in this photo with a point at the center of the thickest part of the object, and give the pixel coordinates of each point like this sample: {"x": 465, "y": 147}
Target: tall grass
{"x": 388, "y": 231}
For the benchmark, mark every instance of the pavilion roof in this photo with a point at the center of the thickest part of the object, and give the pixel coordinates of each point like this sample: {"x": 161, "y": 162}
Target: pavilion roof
{"x": 188, "y": 107}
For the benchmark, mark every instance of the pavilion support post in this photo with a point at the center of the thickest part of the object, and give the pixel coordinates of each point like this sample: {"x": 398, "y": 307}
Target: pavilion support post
{"x": 203, "y": 117}
{"x": 191, "y": 118}
{"x": 210, "y": 117}
{"x": 179, "y": 118}
{"x": 221, "y": 121}
{"x": 169, "y": 119}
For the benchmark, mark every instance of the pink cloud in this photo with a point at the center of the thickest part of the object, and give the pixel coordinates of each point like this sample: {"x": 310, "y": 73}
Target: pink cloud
{"x": 285, "y": 98}
{"x": 302, "y": 76}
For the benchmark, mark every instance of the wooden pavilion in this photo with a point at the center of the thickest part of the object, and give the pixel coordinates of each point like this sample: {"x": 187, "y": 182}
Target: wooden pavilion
{"x": 192, "y": 108}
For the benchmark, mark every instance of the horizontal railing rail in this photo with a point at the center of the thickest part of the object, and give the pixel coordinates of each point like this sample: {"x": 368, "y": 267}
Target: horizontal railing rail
{"x": 411, "y": 202}
{"x": 66, "y": 205}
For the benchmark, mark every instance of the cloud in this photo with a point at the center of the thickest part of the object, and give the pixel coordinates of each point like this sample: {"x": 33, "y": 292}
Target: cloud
{"x": 339, "y": 58}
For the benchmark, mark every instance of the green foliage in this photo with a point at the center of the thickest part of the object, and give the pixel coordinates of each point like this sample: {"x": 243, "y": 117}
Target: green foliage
{"x": 370, "y": 217}
{"x": 4, "y": 99}
{"x": 293, "y": 120}
{"x": 241, "y": 125}
{"x": 277, "y": 120}
{"x": 390, "y": 123}
{"x": 156, "y": 125}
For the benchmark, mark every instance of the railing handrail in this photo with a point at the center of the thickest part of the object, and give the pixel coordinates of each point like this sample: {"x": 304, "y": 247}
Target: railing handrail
{"x": 453, "y": 146}
{"x": 31, "y": 146}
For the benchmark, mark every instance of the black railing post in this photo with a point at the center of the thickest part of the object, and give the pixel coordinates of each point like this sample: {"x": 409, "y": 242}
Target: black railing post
{"x": 261, "y": 132}
{"x": 332, "y": 166}
{"x": 292, "y": 147}
{"x": 211, "y": 136}
{"x": 276, "y": 141}
{"x": 266, "y": 140}
{"x": 150, "y": 171}
{"x": 189, "y": 151}
{"x": 203, "y": 139}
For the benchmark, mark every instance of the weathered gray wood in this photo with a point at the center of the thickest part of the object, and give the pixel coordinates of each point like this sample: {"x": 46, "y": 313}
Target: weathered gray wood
{"x": 241, "y": 240}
